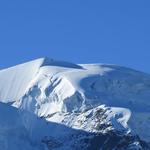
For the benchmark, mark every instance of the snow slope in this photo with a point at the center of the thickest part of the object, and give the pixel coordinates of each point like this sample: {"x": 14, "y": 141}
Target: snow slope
{"x": 21, "y": 130}
{"x": 72, "y": 95}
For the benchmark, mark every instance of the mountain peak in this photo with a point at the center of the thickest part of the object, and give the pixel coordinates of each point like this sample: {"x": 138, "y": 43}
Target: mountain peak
{"x": 94, "y": 98}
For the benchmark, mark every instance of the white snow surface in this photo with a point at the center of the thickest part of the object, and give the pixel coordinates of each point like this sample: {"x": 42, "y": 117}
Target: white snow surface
{"x": 67, "y": 93}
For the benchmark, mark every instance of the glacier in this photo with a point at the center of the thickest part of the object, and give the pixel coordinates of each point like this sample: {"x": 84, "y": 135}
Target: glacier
{"x": 47, "y": 104}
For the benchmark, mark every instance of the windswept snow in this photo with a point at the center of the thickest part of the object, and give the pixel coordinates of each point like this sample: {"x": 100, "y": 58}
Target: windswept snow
{"x": 68, "y": 94}
{"x": 15, "y": 80}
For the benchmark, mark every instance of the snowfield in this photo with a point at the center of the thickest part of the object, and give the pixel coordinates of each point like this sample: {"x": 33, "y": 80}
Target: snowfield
{"x": 47, "y": 104}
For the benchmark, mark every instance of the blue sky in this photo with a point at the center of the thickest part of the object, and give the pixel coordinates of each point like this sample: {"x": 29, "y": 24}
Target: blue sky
{"x": 80, "y": 31}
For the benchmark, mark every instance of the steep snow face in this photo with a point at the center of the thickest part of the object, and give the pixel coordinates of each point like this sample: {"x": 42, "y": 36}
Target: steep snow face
{"x": 50, "y": 89}
{"x": 14, "y": 133}
{"x": 15, "y": 80}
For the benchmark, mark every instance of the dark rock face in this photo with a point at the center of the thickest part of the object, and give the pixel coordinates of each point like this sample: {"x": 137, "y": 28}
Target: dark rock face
{"x": 89, "y": 141}
{"x": 113, "y": 141}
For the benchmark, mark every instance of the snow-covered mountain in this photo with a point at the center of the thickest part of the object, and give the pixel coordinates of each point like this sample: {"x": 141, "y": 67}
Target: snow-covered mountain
{"x": 54, "y": 105}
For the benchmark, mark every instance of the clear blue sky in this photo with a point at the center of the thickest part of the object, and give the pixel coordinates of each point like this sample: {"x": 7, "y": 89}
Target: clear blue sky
{"x": 80, "y": 31}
